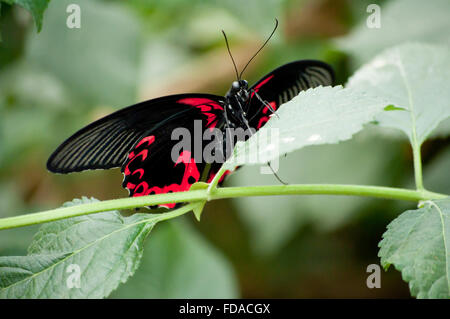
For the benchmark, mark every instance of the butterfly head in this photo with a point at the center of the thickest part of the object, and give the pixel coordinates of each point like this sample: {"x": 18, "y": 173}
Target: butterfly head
{"x": 239, "y": 85}
{"x": 239, "y": 89}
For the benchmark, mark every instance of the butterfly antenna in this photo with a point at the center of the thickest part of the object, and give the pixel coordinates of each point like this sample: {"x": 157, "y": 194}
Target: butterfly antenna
{"x": 264, "y": 44}
{"x": 231, "y": 56}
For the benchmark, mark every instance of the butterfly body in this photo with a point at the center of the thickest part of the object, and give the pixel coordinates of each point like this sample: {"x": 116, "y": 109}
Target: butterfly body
{"x": 142, "y": 139}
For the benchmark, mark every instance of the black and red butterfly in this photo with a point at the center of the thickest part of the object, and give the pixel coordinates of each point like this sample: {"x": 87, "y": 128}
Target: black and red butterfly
{"x": 138, "y": 138}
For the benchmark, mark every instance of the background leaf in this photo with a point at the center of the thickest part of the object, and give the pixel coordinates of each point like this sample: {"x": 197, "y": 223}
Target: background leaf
{"x": 442, "y": 130}
{"x": 417, "y": 243}
{"x": 414, "y": 77}
{"x": 401, "y": 20}
{"x": 106, "y": 247}
{"x": 179, "y": 263}
{"x": 36, "y": 8}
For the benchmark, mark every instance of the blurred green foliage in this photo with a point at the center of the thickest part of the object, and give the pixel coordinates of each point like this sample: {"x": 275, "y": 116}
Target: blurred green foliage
{"x": 402, "y": 20}
{"x": 55, "y": 81}
{"x": 35, "y": 7}
{"x": 179, "y": 263}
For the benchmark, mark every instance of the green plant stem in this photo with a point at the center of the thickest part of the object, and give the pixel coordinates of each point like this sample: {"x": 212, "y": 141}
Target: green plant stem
{"x": 176, "y": 212}
{"x": 416, "y": 145}
{"x": 418, "y": 167}
{"x": 213, "y": 184}
{"x": 219, "y": 193}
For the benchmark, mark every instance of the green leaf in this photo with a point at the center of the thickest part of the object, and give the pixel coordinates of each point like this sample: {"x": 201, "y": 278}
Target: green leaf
{"x": 393, "y": 108}
{"x": 36, "y": 8}
{"x": 442, "y": 130}
{"x": 179, "y": 263}
{"x": 106, "y": 248}
{"x": 199, "y": 209}
{"x": 414, "y": 77}
{"x": 417, "y": 243}
{"x": 401, "y": 20}
{"x": 323, "y": 115}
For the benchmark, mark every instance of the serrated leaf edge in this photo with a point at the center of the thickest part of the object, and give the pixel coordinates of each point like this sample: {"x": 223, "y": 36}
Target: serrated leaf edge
{"x": 409, "y": 278}
{"x": 149, "y": 221}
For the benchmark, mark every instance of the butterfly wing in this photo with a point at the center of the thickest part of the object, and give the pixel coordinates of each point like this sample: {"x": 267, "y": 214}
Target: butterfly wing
{"x": 160, "y": 164}
{"x": 106, "y": 142}
{"x": 282, "y": 84}
{"x": 139, "y": 140}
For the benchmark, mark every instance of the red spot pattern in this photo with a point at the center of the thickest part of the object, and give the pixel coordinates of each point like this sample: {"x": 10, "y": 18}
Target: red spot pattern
{"x": 265, "y": 118}
{"x": 191, "y": 174}
{"x": 149, "y": 140}
{"x": 190, "y": 170}
{"x": 132, "y": 157}
{"x": 206, "y": 106}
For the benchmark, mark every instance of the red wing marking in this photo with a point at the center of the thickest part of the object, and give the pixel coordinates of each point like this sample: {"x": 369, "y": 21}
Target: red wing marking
{"x": 132, "y": 157}
{"x": 265, "y": 118}
{"x": 212, "y": 175}
{"x": 190, "y": 171}
{"x": 190, "y": 176}
{"x": 206, "y": 106}
{"x": 148, "y": 139}
{"x": 257, "y": 87}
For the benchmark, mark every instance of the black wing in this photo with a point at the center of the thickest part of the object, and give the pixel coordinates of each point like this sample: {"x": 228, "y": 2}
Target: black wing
{"x": 159, "y": 164}
{"x": 282, "y": 84}
{"x": 107, "y": 142}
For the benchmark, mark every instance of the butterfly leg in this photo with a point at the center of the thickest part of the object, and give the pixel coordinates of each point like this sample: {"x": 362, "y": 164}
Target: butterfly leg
{"x": 273, "y": 111}
{"x": 244, "y": 119}
{"x": 265, "y": 103}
